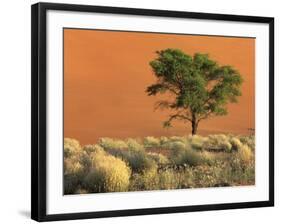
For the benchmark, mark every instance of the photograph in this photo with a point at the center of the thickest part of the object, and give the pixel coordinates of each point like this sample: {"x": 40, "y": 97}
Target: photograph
{"x": 152, "y": 111}
{"x": 139, "y": 111}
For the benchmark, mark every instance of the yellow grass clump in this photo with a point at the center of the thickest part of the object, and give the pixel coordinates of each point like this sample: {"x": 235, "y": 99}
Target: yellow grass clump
{"x": 217, "y": 143}
{"x": 107, "y": 174}
{"x": 92, "y": 148}
{"x": 197, "y": 141}
{"x": 132, "y": 144}
{"x": 158, "y": 158}
{"x": 109, "y": 143}
{"x": 71, "y": 147}
{"x": 151, "y": 141}
{"x": 245, "y": 154}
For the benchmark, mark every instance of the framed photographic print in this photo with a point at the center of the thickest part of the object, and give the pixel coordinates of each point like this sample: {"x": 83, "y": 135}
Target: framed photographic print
{"x": 140, "y": 111}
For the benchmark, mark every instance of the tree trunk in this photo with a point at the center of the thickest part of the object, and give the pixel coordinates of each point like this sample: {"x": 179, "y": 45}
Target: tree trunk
{"x": 194, "y": 124}
{"x": 194, "y": 127}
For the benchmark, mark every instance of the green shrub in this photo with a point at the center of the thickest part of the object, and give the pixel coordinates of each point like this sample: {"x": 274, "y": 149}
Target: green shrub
{"x": 138, "y": 161}
{"x": 217, "y": 143}
{"x": 109, "y": 143}
{"x": 151, "y": 142}
{"x": 244, "y": 154}
{"x": 235, "y": 144}
{"x": 177, "y": 148}
{"x": 153, "y": 180}
{"x": 249, "y": 141}
{"x": 182, "y": 139}
{"x": 75, "y": 168}
{"x": 168, "y": 179}
{"x": 107, "y": 174}
{"x": 163, "y": 140}
{"x": 85, "y": 161}
{"x": 158, "y": 158}
{"x": 134, "y": 145}
{"x": 242, "y": 173}
{"x": 71, "y": 183}
{"x": 71, "y": 147}
{"x": 190, "y": 157}
{"x": 73, "y": 174}
{"x": 147, "y": 180}
{"x": 197, "y": 141}
{"x": 174, "y": 145}
{"x": 74, "y": 165}
{"x": 92, "y": 149}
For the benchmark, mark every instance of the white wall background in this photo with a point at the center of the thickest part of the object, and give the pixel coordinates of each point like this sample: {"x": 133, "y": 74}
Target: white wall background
{"x": 15, "y": 109}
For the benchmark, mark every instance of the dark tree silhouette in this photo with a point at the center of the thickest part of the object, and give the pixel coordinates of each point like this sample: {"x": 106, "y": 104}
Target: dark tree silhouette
{"x": 200, "y": 88}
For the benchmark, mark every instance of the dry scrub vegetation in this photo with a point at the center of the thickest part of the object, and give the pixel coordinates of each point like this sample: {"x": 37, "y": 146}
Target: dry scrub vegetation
{"x": 114, "y": 165}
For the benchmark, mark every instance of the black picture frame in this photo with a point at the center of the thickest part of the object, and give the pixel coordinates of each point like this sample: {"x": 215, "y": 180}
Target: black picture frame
{"x": 39, "y": 121}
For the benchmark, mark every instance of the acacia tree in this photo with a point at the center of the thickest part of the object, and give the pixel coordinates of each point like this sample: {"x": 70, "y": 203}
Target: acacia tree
{"x": 198, "y": 87}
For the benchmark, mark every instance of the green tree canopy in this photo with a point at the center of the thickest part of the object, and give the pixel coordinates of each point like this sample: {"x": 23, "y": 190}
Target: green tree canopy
{"x": 200, "y": 87}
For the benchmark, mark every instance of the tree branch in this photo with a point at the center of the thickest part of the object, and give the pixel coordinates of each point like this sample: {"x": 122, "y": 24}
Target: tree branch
{"x": 179, "y": 116}
{"x": 163, "y": 104}
{"x": 205, "y": 116}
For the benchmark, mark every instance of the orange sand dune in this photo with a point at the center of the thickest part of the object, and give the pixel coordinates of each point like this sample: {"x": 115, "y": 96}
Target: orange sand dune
{"x": 106, "y": 74}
